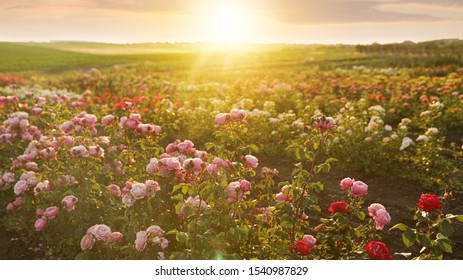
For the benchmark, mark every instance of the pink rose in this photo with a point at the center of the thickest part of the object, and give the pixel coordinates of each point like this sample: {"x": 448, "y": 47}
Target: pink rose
{"x": 18, "y": 201}
{"x": 20, "y": 187}
{"x": 221, "y": 118}
{"x": 172, "y": 163}
{"x": 10, "y": 207}
{"x": 40, "y": 224}
{"x": 9, "y": 177}
{"x": 51, "y": 212}
{"x": 141, "y": 240}
{"x": 155, "y": 231}
{"x": 281, "y": 195}
{"x": 128, "y": 200}
{"x": 87, "y": 242}
{"x": 138, "y": 191}
{"x": 114, "y": 190}
{"x": 373, "y": 209}
{"x": 346, "y": 183}
{"x": 90, "y": 120}
{"x": 152, "y": 187}
{"x": 245, "y": 185}
{"x": 115, "y": 236}
{"x": 359, "y": 188}
{"x": 382, "y": 218}
{"x": 238, "y": 114}
{"x": 70, "y": 202}
{"x": 42, "y": 186}
{"x": 101, "y": 232}
{"x": 164, "y": 243}
{"x": 153, "y": 166}
{"x": 107, "y": 120}
{"x": 251, "y": 161}
{"x": 171, "y": 148}
{"x": 310, "y": 240}
{"x": 234, "y": 192}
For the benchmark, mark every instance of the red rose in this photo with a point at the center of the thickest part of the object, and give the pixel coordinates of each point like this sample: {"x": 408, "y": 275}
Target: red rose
{"x": 339, "y": 206}
{"x": 377, "y": 251}
{"x": 301, "y": 247}
{"x": 429, "y": 202}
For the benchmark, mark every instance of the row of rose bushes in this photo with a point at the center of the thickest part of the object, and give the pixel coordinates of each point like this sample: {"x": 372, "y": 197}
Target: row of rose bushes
{"x": 99, "y": 184}
{"x": 101, "y": 155}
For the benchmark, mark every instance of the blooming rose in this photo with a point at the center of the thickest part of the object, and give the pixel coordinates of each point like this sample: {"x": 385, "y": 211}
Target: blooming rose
{"x": 115, "y": 236}
{"x": 429, "y": 202}
{"x": 70, "y": 202}
{"x": 20, "y": 187}
{"x": 138, "y": 190}
{"x": 382, "y": 218}
{"x": 377, "y": 250}
{"x": 234, "y": 192}
{"x": 51, "y": 212}
{"x": 100, "y": 231}
{"x": 40, "y": 224}
{"x": 324, "y": 124}
{"x": 373, "y": 209}
{"x": 153, "y": 166}
{"x": 281, "y": 195}
{"x": 339, "y": 206}
{"x": 107, "y": 120}
{"x": 346, "y": 183}
{"x": 238, "y": 114}
{"x": 245, "y": 185}
{"x": 141, "y": 240}
{"x": 221, "y": 118}
{"x": 128, "y": 200}
{"x": 251, "y": 161}
{"x": 114, "y": 190}
{"x": 310, "y": 240}
{"x": 359, "y": 188}
{"x": 87, "y": 242}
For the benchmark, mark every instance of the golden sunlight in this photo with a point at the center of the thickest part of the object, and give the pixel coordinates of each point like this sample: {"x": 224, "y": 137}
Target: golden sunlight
{"x": 225, "y": 22}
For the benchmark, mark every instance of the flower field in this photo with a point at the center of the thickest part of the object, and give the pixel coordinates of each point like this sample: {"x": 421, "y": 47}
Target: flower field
{"x": 248, "y": 161}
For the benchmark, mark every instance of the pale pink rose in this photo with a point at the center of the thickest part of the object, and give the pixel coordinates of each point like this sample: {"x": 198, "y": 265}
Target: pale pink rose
{"x": 18, "y": 201}
{"x": 135, "y": 117}
{"x": 138, "y": 191}
{"x": 196, "y": 203}
{"x": 42, "y": 186}
{"x": 68, "y": 140}
{"x": 10, "y": 207}
{"x": 346, "y": 183}
{"x": 382, "y": 218}
{"x": 41, "y": 101}
{"x": 8, "y": 177}
{"x": 128, "y": 200}
{"x": 234, "y": 193}
{"x": 67, "y": 126}
{"x": 70, "y": 202}
{"x": 40, "y": 224}
{"x": 164, "y": 243}
{"x": 96, "y": 151}
{"x": 171, "y": 148}
{"x": 309, "y": 240}
{"x": 79, "y": 151}
{"x": 23, "y": 124}
{"x": 373, "y": 209}
{"x": 32, "y": 166}
{"x": 359, "y": 188}
{"x": 152, "y": 187}
{"x": 37, "y": 110}
{"x": 87, "y": 242}
{"x": 141, "y": 240}
{"x": 90, "y": 120}
{"x": 182, "y": 147}
{"x": 238, "y": 114}
{"x": 51, "y": 212}
{"x": 212, "y": 168}
{"x": 153, "y": 166}
{"x": 245, "y": 185}
{"x": 406, "y": 142}
{"x": 114, "y": 190}
{"x": 221, "y": 118}
{"x": 29, "y": 177}
{"x": 101, "y": 232}
{"x": 281, "y": 195}
{"x": 161, "y": 256}
{"x": 251, "y": 161}
{"x": 20, "y": 187}
{"x": 115, "y": 236}
{"x": 123, "y": 121}
{"x": 171, "y": 163}
{"x": 155, "y": 231}
{"x": 107, "y": 120}
{"x": 39, "y": 211}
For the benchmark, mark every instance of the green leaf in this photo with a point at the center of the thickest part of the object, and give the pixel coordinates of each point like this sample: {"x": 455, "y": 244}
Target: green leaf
{"x": 459, "y": 218}
{"x": 424, "y": 240}
{"x": 437, "y": 253}
{"x": 209, "y": 145}
{"x": 402, "y": 227}
{"x": 361, "y": 215}
{"x": 446, "y": 228}
{"x": 445, "y": 244}
{"x": 408, "y": 237}
{"x": 82, "y": 256}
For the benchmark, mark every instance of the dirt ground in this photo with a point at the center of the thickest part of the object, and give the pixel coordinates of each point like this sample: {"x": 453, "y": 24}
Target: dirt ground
{"x": 397, "y": 195}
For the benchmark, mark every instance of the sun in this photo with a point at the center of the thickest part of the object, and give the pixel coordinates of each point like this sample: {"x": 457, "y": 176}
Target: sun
{"x": 225, "y": 22}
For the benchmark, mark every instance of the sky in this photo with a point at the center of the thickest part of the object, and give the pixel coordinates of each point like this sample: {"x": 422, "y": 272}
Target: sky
{"x": 231, "y": 21}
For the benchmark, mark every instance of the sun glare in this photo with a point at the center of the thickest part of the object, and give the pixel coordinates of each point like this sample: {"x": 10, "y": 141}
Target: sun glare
{"x": 225, "y": 22}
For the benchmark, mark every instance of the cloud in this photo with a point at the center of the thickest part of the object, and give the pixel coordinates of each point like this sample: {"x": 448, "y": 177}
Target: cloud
{"x": 356, "y": 11}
